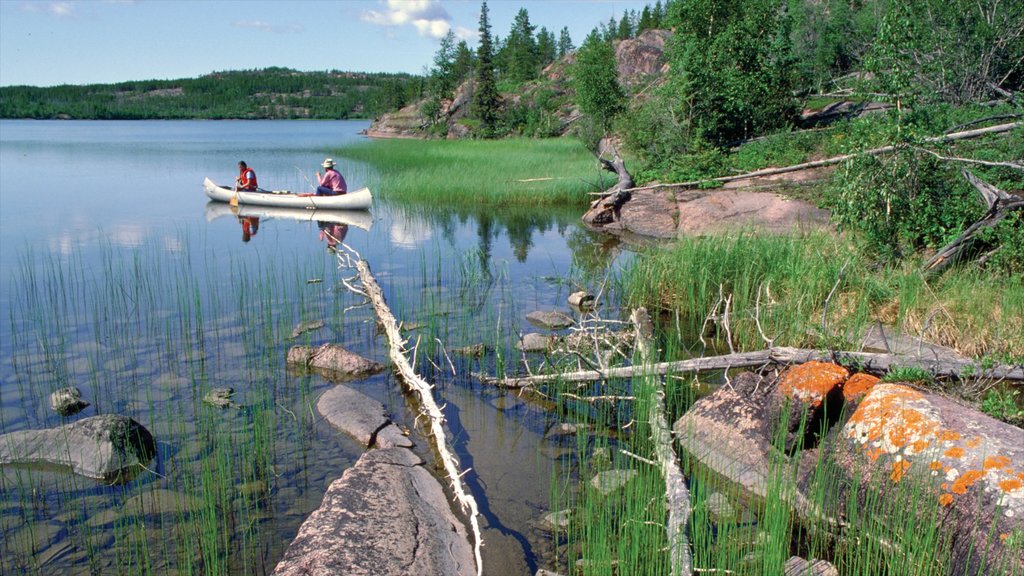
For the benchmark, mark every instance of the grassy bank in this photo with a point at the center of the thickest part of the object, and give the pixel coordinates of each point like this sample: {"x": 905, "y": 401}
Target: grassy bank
{"x": 784, "y": 283}
{"x": 502, "y": 172}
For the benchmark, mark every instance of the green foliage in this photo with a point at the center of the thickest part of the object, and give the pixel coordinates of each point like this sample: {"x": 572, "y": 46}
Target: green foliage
{"x": 911, "y": 374}
{"x": 1002, "y": 404}
{"x": 521, "y": 57}
{"x": 595, "y": 78}
{"x": 267, "y": 93}
{"x": 565, "y": 44}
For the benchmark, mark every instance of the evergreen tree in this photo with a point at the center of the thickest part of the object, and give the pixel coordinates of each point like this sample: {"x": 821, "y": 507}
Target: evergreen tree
{"x": 625, "y": 31}
{"x": 521, "y": 49}
{"x": 659, "y": 17}
{"x": 546, "y": 48}
{"x": 442, "y": 76}
{"x": 485, "y": 98}
{"x": 464, "y": 62}
{"x": 595, "y": 78}
{"x": 646, "y": 21}
{"x": 564, "y": 42}
{"x": 611, "y": 29}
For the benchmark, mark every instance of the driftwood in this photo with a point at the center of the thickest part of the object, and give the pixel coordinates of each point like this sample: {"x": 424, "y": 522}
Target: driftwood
{"x": 838, "y": 159}
{"x": 866, "y": 361}
{"x": 617, "y": 166}
{"x": 1000, "y": 204}
{"x": 429, "y": 407}
{"x": 677, "y": 495}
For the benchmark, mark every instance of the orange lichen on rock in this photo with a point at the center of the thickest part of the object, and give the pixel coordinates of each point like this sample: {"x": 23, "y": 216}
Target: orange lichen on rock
{"x": 974, "y": 442}
{"x": 966, "y": 480}
{"x": 949, "y": 436}
{"x": 811, "y": 382}
{"x": 954, "y": 452}
{"x": 946, "y": 499}
{"x": 898, "y": 470}
{"x": 996, "y": 462}
{"x": 858, "y": 385}
{"x": 1010, "y": 485}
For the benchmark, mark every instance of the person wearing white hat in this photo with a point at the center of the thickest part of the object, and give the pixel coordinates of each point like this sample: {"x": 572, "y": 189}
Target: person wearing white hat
{"x": 332, "y": 182}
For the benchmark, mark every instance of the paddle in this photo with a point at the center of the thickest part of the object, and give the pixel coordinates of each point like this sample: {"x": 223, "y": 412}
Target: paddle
{"x": 234, "y": 199}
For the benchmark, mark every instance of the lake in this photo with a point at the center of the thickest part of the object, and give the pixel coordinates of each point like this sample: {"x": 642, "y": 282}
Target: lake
{"x": 120, "y": 279}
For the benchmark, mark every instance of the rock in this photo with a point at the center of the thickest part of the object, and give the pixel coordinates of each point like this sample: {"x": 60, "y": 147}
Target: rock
{"x": 970, "y": 463}
{"x": 550, "y": 320}
{"x": 640, "y": 58}
{"x": 651, "y": 214}
{"x": 473, "y": 351}
{"x": 543, "y": 572}
{"x": 728, "y": 210}
{"x": 721, "y": 510}
{"x": 386, "y": 515}
{"x": 150, "y": 502}
{"x": 219, "y": 397}
{"x": 309, "y": 326}
{"x": 611, "y": 480}
{"x": 886, "y": 340}
{"x": 797, "y": 566}
{"x": 564, "y": 429}
{"x": 534, "y": 342}
{"x": 729, "y": 434}
{"x": 361, "y": 417}
{"x": 67, "y": 401}
{"x": 109, "y": 448}
{"x": 333, "y": 361}
{"x": 581, "y": 300}
{"x": 858, "y": 386}
{"x": 812, "y": 391}
{"x": 559, "y": 520}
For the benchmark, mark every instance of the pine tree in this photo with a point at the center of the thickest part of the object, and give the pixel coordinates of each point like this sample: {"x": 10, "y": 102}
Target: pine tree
{"x": 546, "y": 48}
{"x": 521, "y": 49}
{"x": 486, "y": 96}
{"x": 564, "y": 42}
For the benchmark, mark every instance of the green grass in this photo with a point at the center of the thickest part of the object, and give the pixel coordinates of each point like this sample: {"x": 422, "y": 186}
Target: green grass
{"x": 499, "y": 172}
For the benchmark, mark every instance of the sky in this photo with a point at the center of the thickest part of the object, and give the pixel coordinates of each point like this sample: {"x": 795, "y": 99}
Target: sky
{"x": 46, "y": 43}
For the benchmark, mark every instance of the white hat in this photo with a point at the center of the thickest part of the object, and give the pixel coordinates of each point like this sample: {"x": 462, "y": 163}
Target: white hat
{"x": 328, "y": 163}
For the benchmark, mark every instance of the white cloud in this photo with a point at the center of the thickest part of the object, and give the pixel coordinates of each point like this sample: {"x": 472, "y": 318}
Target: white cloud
{"x": 268, "y": 27}
{"x": 428, "y": 17}
{"x": 56, "y": 9}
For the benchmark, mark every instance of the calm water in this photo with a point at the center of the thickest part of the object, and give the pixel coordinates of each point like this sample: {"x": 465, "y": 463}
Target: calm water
{"x": 118, "y": 277}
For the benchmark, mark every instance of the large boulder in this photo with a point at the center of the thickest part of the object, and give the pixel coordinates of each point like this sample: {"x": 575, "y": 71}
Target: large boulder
{"x": 386, "y": 515}
{"x": 550, "y": 319}
{"x": 361, "y": 417}
{"x": 641, "y": 58}
{"x": 807, "y": 394}
{"x": 110, "y": 448}
{"x": 333, "y": 361}
{"x": 963, "y": 460}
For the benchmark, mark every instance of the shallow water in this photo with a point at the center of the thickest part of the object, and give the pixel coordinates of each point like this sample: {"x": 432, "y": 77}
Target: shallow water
{"x": 119, "y": 278}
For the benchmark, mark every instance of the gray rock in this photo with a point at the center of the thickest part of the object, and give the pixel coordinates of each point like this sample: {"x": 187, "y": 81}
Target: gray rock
{"x": 67, "y": 401}
{"x": 387, "y": 514}
{"x": 109, "y": 448}
{"x": 556, "y": 520}
{"x": 333, "y": 361}
{"x": 612, "y": 480}
{"x": 534, "y": 342}
{"x": 308, "y": 326}
{"x": 550, "y": 319}
{"x": 219, "y": 397}
{"x": 473, "y": 351}
{"x": 581, "y": 300}
{"x": 543, "y": 572}
{"x": 797, "y": 566}
{"x": 361, "y": 417}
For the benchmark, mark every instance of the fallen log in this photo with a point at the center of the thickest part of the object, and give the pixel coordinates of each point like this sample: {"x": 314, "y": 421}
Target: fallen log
{"x": 1000, "y": 204}
{"x": 677, "y": 495}
{"x": 966, "y": 134}
{"x": 429, "y": 408}
{"x": 865, "y": 361}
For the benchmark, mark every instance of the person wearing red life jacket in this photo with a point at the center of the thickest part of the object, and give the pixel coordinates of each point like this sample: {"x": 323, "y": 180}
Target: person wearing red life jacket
{"x": 246, "y": 177}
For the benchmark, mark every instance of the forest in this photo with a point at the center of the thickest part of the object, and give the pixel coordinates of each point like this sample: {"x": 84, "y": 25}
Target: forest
{"x": 270, "y": 93}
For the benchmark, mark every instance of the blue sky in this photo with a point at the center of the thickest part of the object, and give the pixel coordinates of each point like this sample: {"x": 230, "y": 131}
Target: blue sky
{"x": 44, "y": 43}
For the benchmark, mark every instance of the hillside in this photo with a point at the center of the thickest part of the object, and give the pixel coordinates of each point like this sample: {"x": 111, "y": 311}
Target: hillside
{"x": 271, "y": 93}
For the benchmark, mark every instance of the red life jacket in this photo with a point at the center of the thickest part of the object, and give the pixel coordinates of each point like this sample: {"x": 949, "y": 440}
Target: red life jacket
{"x": 247, "y": 179}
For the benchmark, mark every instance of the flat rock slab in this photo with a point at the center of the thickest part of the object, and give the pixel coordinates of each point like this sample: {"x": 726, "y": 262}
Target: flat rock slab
{"x": 361, "y": 417}
{"x": 386, "y": 515}
{"x": 730, "y": 210}
{"x": 969, "y": 462}
{"x": 885, "y": 339}
{"x": 550, "y": 319}
{"x": 110, "y": 448}
{"x": 333, "y": 361}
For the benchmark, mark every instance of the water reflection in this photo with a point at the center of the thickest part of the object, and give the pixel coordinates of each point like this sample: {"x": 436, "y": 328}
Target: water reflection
{"x": 332, "y": 225}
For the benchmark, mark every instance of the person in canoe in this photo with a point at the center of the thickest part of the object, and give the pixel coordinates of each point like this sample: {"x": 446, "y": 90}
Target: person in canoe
{"x": 246, "y": 179}
{"x": 332, "y": 183}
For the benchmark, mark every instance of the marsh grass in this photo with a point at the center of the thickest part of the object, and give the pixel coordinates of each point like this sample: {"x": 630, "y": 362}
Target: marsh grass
{"x": 492, "y": 172}
{"x": 147, "y": 334}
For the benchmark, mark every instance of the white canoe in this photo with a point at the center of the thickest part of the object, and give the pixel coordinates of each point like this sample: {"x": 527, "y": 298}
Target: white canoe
{"x": 354, "y": 200}
{"x": 358, "y": 218}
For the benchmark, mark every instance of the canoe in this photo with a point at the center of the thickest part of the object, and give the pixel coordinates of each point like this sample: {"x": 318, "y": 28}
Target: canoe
{"x": 360, "y": 199}
{"x": 358, "y": 218}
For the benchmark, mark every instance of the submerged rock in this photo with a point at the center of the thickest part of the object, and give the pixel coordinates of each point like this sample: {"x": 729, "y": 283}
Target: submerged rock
{"x": 581, "y": 300}
{"x": 361, "y": 417}
{"x": 387, "y": 514}
{"x": 67, "y": 401}
{"x": 109, "y": 448}
{"x": 333, "y": 361}
{"x": 219, "y": 397}
{"x": 611, "y": 480}
{"x": 473, "y": 351}
{"x": 550, "y": 319}
{"x": 534, "y": 342}
{"x": 304, "y": 327}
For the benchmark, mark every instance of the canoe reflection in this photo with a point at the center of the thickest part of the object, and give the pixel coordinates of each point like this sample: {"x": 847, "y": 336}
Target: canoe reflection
{"x": 332, "y": 225}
